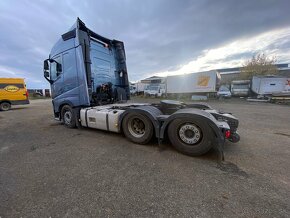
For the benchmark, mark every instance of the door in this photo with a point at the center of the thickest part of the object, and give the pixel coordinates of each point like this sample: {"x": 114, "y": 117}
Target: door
{"x": 70, "y": 77}
{"x": 56, "y": 76}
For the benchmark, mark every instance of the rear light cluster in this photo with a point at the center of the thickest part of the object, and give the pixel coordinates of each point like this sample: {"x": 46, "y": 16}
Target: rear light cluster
{"x": 227, "y": 134}
{"x": 26, "y": 94}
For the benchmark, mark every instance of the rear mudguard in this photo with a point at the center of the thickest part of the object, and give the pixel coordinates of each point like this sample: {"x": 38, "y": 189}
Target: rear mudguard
{"x": 195, "y": 114}
{"x": 160, "y": 127}
{"x": 149, "y": 111}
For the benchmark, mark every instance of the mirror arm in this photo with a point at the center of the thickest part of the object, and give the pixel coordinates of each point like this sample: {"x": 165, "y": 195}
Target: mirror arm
{"x": 49, "y": 80}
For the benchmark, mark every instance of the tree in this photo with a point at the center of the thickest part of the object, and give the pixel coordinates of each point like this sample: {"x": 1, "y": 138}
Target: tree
{"x": 260, "y": 64}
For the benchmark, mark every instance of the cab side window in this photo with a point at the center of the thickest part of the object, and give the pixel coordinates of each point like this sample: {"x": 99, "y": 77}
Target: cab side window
{"x": 69, "y": 69}
{"x": 54, "y": 72}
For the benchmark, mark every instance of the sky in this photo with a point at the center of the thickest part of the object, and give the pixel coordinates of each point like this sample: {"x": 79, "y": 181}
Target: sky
{"x": 162, "y": 37}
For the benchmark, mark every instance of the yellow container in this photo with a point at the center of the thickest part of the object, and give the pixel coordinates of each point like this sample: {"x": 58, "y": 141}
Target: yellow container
{"x": 12, "y": 92}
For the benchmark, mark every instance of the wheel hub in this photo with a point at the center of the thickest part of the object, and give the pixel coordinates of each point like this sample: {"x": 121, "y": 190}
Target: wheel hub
{"x": 67, "y": 117}
{"x": 5, "y": 106}
{"x": 136, "y": 127}
{"x": 189, "y": 134}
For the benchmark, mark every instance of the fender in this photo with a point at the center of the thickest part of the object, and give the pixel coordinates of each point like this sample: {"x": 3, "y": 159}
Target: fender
{"x": 58, "y": 106}
{"x": 4, "y": 100}
{"x": 195, "y": 114}
{"x": 149, "y": 111}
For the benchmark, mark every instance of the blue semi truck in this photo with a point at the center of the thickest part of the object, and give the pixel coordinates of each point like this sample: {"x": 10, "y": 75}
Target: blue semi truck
{"x": 90, "y": 88}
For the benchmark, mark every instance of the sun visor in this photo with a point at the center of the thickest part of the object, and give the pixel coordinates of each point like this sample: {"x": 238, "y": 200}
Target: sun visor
{"x": 69, "y": 35}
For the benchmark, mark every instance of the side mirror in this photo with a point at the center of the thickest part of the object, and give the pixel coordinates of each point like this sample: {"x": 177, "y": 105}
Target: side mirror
{"x": 58, "y": 67}
{"x": 46, "y": 70}
{"x": 46, "y": 74}
{"x": 45, "y": 65}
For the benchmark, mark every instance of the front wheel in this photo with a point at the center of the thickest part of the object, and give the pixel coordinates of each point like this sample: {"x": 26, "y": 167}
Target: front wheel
{"x": 190, "y": 137}
{"x": 137, "y": 128}
{"x": 68, "y": 116}
{"x": 5, "y": 106}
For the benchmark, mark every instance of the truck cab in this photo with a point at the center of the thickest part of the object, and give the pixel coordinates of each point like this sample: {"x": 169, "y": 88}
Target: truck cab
{"x": 86, "y": 69}
{"x": 155, "y": 90}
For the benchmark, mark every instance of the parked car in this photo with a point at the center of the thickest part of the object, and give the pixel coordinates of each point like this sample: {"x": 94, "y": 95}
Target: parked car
{"x": 154, "y": 90}
{"x": 12, "y": 92}
{"x": 133, "y": 90}
{"x": 224, "y": 92}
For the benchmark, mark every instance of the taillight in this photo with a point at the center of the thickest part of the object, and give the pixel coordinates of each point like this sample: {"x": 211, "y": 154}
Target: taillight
{"x": 227, "y": 134}
{"x": 26, "y": 93}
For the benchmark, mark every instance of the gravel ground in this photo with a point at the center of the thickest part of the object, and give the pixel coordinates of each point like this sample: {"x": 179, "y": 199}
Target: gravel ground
{"x": 47, "y": 170}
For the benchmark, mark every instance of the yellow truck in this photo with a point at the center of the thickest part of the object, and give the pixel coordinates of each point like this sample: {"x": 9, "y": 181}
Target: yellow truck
{"x": 12, "y": 92}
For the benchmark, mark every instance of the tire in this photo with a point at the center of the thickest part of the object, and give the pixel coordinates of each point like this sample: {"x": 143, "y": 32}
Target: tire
{"x": 5, "y": 106}
{"x": 68, "y": 116}
{"x": 137, "y": 128}
{"x": 191, "y": 137}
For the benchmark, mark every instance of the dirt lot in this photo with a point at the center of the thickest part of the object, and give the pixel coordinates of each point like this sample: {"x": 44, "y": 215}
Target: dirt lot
{"x": 47, "y": 170}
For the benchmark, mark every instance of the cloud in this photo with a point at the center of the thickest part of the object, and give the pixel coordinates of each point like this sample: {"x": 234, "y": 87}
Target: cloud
{"x": 273, "y": 43}
{"x": 10, "y": 72}
{"x": 160, "y": 36}
{"x": 6, "y": 72}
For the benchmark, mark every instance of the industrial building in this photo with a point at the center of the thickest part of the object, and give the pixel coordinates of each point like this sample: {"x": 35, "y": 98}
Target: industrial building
{"x": 230, "y": 74}
{"x": 227, "y": 74}
{"x": 154, "y": 80}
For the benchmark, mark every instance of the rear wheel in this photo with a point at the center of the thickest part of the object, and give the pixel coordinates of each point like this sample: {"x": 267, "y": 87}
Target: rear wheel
{"x": 137, "y": 128}
{"x": 190, "y": 137}
{"x": 5, "y": 106}
{"x": 68, "y": 116}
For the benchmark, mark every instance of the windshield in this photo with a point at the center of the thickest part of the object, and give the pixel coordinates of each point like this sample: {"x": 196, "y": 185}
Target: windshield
{"x": 240, "y": 86}
{"x": 224, "y": 88}
{"x": 155, "y": 88}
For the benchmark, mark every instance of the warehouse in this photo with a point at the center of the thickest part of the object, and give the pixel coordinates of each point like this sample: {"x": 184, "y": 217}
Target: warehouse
{"x": 225, "y": 77}
{"x": 230, "y": 74}
{"x": 154, "y": 79}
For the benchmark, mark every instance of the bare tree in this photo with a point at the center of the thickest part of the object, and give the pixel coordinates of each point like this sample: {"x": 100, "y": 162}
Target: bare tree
{"x": 260, "y": 64}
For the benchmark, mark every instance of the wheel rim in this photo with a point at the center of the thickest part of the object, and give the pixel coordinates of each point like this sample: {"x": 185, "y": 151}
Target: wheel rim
{"x": 5, "y": 106}
{"x": 136, "y": 127}
{"x": 67, "y": 117}
{"x": 190, "y": 134}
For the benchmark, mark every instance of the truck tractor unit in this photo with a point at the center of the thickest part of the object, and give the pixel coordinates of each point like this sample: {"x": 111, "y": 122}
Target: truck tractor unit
{"x": 90, "y": 88}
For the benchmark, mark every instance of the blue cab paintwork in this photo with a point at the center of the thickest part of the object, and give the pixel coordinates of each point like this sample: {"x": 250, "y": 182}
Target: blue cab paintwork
{"x": 71, "y": 85}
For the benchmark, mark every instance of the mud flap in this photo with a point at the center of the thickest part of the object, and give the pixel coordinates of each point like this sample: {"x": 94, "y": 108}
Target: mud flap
{"x": 77, "y": 117}
{"x": 221, "y": 156}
